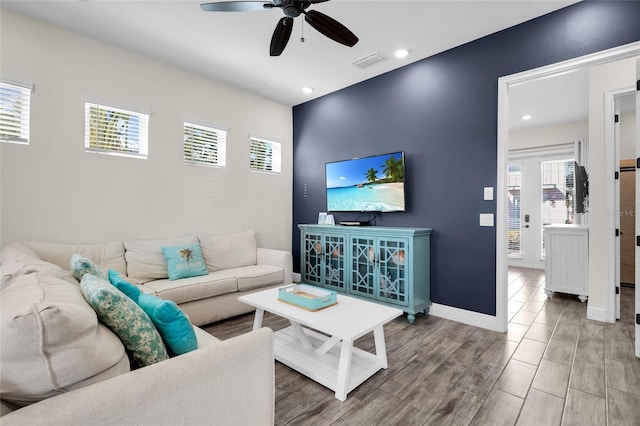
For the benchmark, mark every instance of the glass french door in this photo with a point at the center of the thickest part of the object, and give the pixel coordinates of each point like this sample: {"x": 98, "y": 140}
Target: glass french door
{"x": 541, "y": 192}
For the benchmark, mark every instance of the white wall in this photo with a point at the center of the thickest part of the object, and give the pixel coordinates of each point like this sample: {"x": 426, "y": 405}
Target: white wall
{"x": 628, "y": 135}
{"x": 555, "y": 134}
{"x": 609, "y": 77}
{"x": 53, "y": 190}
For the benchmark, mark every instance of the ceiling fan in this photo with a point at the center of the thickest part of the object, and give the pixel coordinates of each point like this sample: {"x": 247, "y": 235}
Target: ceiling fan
{"x": 292, "y": 9}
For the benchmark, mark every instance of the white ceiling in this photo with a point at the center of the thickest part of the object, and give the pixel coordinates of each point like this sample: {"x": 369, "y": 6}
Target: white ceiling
{"x": 558, "y": 99}
{"x": 234, "y": 47}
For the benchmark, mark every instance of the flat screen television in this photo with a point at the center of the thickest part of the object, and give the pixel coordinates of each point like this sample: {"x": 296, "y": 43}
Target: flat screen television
{"x": 367, "y": 184}
{"x": 581, "y": 188}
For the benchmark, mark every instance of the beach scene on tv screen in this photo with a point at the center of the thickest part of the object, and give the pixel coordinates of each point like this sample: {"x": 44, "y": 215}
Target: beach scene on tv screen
{"x": 366, "y": 184}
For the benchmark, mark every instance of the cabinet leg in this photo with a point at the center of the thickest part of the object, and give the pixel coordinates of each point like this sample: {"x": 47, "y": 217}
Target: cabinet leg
{"x": 411, "y": 318}
{"x": 426, "y": 311}
{"x": 548, "y": 293}
{"x": 583, "y": 298}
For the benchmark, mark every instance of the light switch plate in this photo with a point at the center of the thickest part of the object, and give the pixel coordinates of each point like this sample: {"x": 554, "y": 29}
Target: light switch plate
{"x": 486, "y": 219}
{"x": 488, "y": 192}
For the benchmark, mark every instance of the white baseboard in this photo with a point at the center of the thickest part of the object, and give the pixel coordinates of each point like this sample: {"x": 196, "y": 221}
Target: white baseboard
{"x": 466, "y": 317}
{"x": 596, "y": 314}
{"x": 296, "y": 277}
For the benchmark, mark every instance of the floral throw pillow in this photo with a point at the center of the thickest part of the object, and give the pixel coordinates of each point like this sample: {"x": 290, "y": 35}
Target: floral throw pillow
{"x": 126, "y": 319}
{"x": 81, "y": 265}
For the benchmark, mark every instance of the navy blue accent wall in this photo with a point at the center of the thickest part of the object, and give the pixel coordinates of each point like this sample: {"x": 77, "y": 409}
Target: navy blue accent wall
{"x": 442, "y": 111}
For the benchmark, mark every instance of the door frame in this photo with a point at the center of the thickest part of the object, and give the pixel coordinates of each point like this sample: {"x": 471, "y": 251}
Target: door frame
{"x": 612, "y": 139}
{"x": 504, "y": 83}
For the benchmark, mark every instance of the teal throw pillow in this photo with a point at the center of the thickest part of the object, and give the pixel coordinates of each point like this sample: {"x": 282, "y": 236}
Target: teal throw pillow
{"x": 184, "y": 261}
{"x": 81, "y": 265}
{"x": 173, "y": 324}
{"x": 126, "y": 319}
{"x": 124, "y": 286}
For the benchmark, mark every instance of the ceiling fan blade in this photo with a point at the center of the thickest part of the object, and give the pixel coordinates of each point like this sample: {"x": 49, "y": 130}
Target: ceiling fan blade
{"x": 281, "y": 36}
{"x": 317, "y": 1}
{"x": 236, "y": 6}
{"x": 331, "y": 28}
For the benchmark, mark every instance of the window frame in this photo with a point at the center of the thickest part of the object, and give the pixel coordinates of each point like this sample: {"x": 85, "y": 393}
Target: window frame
{"x": 220, "y": 144}
{"x": 276, "y": 160}
{"x": 142, "y": 151}
{"x": 24, "y": 119}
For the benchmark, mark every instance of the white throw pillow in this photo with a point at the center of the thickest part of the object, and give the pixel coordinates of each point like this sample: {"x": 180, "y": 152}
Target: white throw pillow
{"x": 50, "y": 338}
{"x": 145, "y": 259}
{"x": 106, "y": 255}
{"x": 229, "y": 251}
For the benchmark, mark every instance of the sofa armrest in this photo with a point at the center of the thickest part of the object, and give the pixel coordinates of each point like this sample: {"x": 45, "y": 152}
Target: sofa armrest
{"x": 229, "y": 383}
{"x": 279, "y": 258}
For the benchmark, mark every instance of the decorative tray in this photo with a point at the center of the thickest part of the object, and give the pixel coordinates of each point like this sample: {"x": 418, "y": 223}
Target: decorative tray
{"x": 307, "y": 297}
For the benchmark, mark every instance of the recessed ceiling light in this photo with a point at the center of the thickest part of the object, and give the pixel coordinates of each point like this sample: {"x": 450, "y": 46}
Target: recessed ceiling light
{"x": 526, "y": 117}
{"x": 401, "y": 53}
{"x": 307, "y": 90}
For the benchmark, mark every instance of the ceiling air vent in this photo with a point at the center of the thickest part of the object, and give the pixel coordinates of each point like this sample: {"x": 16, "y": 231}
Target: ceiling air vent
{"x": 369, "y": 60}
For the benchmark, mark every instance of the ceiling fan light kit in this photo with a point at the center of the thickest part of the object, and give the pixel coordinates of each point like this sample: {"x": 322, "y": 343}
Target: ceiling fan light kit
{"x": 324, "y": 24}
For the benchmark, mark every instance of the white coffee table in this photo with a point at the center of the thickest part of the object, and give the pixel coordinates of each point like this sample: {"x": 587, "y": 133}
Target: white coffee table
{"x": 331, "y": 361}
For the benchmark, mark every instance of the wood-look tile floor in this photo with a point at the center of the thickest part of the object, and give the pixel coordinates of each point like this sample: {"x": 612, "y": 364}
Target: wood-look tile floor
{"x": 553, "y": 367}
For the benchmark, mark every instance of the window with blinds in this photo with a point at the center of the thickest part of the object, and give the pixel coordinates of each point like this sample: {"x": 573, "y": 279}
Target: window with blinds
{"x": 514, "y": 232}
{"x": 204, "y": 145}
{"x": 558, "y": 194}
{"x": 14, "y": 113}
{"x": 109, "y": 130}
{"x": 265, "y": 155}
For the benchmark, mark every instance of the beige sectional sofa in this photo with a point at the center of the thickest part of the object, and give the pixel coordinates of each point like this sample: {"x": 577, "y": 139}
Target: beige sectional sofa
{"x": 60, "y": 365}
{"x": 236, "y": 266}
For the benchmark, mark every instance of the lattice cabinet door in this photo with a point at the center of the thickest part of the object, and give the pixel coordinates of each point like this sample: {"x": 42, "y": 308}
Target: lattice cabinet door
{"x": 392, "y": 271}
{"x": 313, "y": 259}
{"x": 363, "y": 266}
{"x": 387, "y": 265}
{"x": 334, "y": 252}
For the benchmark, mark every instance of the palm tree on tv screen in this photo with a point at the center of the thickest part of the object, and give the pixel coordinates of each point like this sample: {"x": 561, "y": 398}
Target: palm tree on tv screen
{"x": 393, "y": 169}
{"x": 372, "y": 175}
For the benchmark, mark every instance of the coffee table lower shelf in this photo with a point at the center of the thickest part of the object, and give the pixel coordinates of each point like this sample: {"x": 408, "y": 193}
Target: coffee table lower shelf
{"x": 336, "y": 365}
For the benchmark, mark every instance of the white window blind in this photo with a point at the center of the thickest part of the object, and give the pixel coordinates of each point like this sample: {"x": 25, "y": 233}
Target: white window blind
{"x": 204, "y": 145}
{"x": 14, "y": 113}
{"x": 514, "y": 232}
{"x": 558, "y": 194}
{"x": 111, "y": 130}
{"x": 265, "y": 155}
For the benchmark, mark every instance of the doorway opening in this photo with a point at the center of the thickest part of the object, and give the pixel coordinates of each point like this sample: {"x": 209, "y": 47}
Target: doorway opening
{"x": 605, "y": 227}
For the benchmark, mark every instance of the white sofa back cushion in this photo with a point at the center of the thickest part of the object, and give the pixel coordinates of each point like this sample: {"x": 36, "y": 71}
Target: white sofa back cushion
{"x": 50, "y": 338}
{"x": 145, "y": 259}
{"x": 229, "y": 251}
{"x": 106, "y": 255}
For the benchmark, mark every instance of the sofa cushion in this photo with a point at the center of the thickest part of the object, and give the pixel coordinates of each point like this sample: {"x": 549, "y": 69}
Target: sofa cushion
{"x": 145, "y": 260}
{"x": 229, "y": 251}
{"x": 205, "y": 339}
{"x": 194, "y": 288}
{"x": 106, "y": 255}
{"x": 126, "y": 319}
{"x": 50, "y": 338}
{"x": 81, "y": 265}
{"x": 184, "y": 261}
{"x": 256, "y": 276}
{"x": 17, "y": 251}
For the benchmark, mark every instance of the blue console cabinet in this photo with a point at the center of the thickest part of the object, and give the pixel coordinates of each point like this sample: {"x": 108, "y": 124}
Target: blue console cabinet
{"x": 386, "y": 265}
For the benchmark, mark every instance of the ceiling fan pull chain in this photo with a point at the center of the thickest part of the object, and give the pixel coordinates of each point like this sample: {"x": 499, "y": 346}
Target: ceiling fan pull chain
{"x": 302, "y": 37}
